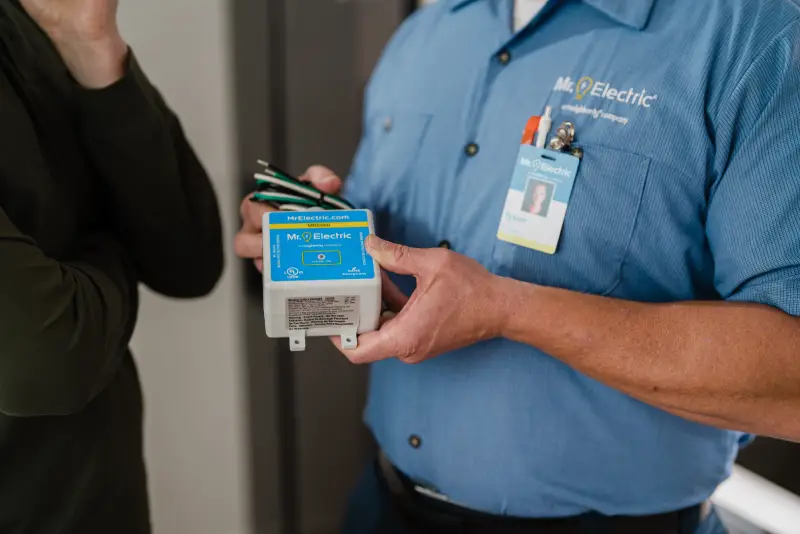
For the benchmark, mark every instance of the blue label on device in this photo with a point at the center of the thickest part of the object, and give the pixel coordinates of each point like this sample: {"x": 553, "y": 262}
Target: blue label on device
{"x": 326, "y": 245}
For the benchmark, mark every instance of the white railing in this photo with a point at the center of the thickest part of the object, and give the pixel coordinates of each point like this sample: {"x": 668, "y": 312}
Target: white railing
{"x": 758, "y": 502}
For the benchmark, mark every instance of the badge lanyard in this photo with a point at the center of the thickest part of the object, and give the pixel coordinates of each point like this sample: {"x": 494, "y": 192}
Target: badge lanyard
{"x": 541, "y": 186}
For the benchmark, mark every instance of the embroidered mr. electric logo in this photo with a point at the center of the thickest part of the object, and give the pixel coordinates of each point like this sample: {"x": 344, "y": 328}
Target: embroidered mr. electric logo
{"x": 587, "y": 88}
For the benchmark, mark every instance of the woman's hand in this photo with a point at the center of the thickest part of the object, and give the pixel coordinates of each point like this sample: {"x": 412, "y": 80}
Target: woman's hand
{"x": 86, "y": 35}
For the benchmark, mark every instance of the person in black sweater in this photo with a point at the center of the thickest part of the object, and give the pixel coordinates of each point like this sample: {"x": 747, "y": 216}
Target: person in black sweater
{"x": 99, "y": 190}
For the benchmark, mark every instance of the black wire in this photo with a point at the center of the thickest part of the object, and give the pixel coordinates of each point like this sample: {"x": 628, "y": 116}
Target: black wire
{"x": 281, "y": 171}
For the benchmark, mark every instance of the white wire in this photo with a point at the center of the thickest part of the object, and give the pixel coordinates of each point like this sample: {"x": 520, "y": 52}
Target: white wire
{"x": 288, "y": 197}
{"x": 297, "y": 207}
{"x": 308, "y": 193}
{"x": 336, "y": 203}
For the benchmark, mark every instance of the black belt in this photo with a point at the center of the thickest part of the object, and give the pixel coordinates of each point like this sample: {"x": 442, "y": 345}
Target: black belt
{"x": 430, "y": 514}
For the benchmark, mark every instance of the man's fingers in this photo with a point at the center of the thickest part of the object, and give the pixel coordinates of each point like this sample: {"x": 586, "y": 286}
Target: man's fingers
{"x": 398, "y": 337}
{"x": 394, "y": 298}
{"x": 323, "y": 179}
{"x": 402, "y": 337}
{"x": 244, "y": 212}
{"x": 398, "y": 259}
{"x": 386, "y": 317}
{"x": 372, "y": 347}
{"x": 248, "y": 246}
{"x": 252, "y": 214}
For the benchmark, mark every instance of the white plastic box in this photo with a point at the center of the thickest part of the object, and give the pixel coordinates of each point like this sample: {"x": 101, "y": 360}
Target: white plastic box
{"x": 318, "y": 278}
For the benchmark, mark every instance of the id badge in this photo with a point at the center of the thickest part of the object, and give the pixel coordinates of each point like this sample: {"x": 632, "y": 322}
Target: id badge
{"x": 537, "y": 201}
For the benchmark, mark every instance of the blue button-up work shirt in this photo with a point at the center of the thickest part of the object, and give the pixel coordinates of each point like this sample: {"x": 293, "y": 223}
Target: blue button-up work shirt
{"x": 689, "y": 116}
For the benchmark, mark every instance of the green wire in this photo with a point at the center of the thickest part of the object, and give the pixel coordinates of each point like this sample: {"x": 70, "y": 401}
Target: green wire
{"x": 308, "y": 188}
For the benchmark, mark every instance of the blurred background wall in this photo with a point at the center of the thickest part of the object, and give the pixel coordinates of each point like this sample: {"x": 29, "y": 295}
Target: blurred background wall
{"x": 190, "y": 353}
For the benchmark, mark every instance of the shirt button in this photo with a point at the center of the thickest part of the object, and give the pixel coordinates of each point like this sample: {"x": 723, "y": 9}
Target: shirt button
{"x": 445, "y": 244}
{"x": 471, "y": 149}
{"x": 387, "y": 124}
{"x": 415, "y": 441}
{"x": 504, "y": 57}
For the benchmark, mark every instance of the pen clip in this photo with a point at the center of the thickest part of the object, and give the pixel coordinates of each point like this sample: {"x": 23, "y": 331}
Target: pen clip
{"x": 529, "y": 134}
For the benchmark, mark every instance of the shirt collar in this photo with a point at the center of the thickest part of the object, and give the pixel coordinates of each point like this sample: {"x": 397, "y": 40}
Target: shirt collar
{"x": 633, "y": 13}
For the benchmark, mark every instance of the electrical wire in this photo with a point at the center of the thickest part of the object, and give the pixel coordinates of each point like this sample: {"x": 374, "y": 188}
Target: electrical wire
{"x": 283, "y": 191}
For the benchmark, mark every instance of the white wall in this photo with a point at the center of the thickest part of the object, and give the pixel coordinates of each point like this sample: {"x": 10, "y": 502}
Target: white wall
{"x": 189, "y": 353}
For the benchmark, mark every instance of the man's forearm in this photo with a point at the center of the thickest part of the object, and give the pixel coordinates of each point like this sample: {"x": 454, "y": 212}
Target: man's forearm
{"x": 729, "y": 365}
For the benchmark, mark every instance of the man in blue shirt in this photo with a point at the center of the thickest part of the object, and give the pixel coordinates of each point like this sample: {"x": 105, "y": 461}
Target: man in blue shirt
{"x": 585, "y": 390}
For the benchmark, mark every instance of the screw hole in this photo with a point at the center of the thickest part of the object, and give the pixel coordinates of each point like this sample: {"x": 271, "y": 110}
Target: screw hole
{"x": 296, "y": 341}
{"x": 348, "y": 340}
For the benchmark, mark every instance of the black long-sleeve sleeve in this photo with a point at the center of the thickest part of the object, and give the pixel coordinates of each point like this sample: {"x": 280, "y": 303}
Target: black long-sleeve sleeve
{"x": 64, "y": 326}
{"x": 161, "y": 200}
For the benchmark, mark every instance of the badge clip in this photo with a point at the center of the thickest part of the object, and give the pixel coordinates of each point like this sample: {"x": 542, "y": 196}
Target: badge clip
{"x": 562, "y": 142}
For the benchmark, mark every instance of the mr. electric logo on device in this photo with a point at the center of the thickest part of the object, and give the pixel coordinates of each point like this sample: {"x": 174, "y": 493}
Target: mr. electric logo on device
{"x": 308, "y": 236}
{"x": 587, "y": 87}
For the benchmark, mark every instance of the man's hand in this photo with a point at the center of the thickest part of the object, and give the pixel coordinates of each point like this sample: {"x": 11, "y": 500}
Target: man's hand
{"x": 248, "y": 243}
{"x": 86, "y": 35}
{"x": 457, "y": 303}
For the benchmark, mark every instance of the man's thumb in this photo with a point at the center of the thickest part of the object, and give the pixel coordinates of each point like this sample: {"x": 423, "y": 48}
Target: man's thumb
{"x": 323, "y": 179}
{"x": 398, "y": 259}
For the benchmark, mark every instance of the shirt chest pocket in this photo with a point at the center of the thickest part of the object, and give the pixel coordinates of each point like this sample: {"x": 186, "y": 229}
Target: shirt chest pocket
{"x": 600, "y": 221}
{"x": 396, "y": 139}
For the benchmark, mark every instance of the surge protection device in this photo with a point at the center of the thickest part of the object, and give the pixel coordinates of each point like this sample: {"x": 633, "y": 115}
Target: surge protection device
{"x": 318, "y": 278}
